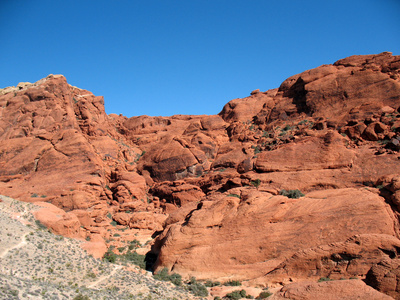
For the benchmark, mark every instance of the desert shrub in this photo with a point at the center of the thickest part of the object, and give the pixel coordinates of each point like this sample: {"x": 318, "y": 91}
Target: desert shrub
{"x": 264, "y": 295}
{"x": 256, "y": 182}
{"x": 132, "y": 257}
{"x": 176, "y": 279}
{"x": 322, "y": 279}
{"x": 236, "y": 295}
{"x": 134, "y": 244}
{"x": 234, "y": 195}
{"x": 40, "y": 225}
{"x": 81, "y": 297}
{"x": 164, "y": 276}
{"x": 294, "y": 194}
{"x": 210, "y": 283}
{"x": 233, "y": 283}
{"x": 197, "y": 288}
{"x": 91, "y": 275}
{"x": 136, "y": 259}
{"x": 110, "y": 256}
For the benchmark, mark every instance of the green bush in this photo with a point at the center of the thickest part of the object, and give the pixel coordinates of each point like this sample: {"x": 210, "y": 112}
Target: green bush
{"x": 236, "y": 295}
{"x": 175, "y": 279}
{"x": 233, "y": 283}
{"x": 234, "y": 195}
{"x": 264, "y": 295}
{"x": 135, "y": 258}
{"x": 256, "y": 182}
{"x": 134, "y": 244}
{"x": 132, "y": 257}
{"x": 210, "y": 283}
{"x": 110, "y": 256}
{"x": 81, "y": 297}
{"x": 196, "y": 288}
{"x": 164, "y": 276}
{"x": 322, "y": 279}
{"x": 294, "y": 194}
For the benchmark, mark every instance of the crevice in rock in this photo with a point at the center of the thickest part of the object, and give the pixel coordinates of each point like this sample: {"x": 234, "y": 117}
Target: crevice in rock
{"x": 298, "y": 93}
{"x": 392, "y": 254}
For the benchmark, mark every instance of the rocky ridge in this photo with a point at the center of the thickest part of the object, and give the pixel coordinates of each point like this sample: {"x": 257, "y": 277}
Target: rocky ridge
{"x": 295, "y": 183}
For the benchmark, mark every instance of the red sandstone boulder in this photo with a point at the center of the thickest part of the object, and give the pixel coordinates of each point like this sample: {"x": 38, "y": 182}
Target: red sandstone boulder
{"x": 349, "y": 259}
{"x": 266, "y": 229}
{"x": 178, "y": 192}
{"x": 128, "y": 186}
{"x": 244, "y": 110}
{"x": 384, "y": 277}
{"x": 147, "y": 220}
{"x": 170, "y": 160}
{"x": 329, "y": 290}
{"x": 60, "y": 222}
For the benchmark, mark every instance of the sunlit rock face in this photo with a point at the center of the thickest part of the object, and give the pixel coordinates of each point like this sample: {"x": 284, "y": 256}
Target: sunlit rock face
{"x": 299, "y": 182}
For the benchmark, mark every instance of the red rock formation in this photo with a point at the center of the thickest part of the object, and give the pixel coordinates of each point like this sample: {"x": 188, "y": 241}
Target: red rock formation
{"x": 211, "y": 184}
{"x": 329, "y": 290}
{"x": 268, "y": 229}
{"x": 384, "y": 276}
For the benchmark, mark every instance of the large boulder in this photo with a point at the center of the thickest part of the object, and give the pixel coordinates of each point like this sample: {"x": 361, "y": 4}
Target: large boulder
{"x": 329, "y": 290}
{"x": 249, "y": 237}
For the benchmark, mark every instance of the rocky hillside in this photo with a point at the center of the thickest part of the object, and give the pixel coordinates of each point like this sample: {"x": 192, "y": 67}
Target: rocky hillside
{"x": 36, "y": 264}
{"x": 297, "y": 183}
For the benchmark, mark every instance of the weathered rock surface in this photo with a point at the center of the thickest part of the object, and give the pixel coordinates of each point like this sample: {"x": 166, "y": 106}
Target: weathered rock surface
{"x": 209, "y": 186}
{"x": 330, "y": 290}
{"x": 384, "y": 276}
{"x": 206, "y": 244}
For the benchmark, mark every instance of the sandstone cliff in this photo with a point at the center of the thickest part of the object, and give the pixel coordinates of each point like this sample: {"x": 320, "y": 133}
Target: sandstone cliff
{"x": 222, "y": 194}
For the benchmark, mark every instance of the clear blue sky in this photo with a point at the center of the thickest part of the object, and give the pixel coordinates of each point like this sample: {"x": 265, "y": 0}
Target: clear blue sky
{"x": 165, "y": 57}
